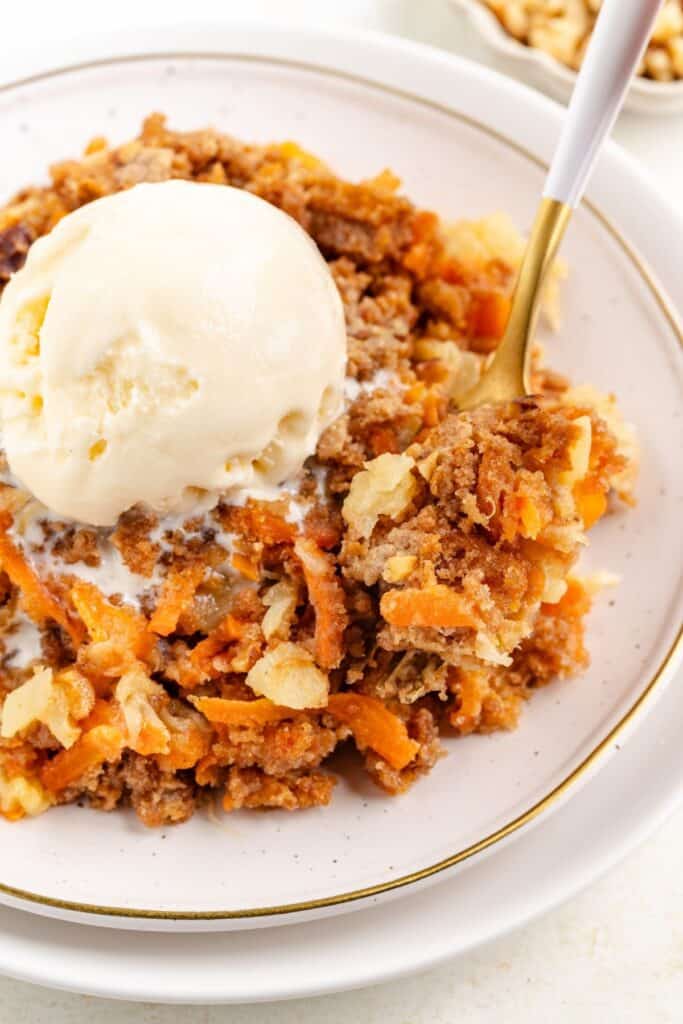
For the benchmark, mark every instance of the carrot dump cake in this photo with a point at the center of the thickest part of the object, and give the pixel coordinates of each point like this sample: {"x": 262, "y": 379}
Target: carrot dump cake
{"x": 375, "y": 569}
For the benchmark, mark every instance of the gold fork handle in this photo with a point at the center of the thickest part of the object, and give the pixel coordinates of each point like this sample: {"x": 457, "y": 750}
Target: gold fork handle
{"x": 617, "y": 43}
{"x": 507, "y": 377}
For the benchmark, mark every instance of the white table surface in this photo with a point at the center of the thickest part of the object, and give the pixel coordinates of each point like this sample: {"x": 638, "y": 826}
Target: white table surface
{"x": 615, "y": 953}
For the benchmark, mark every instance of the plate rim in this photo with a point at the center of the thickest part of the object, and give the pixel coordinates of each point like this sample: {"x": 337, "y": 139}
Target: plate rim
{"x": 25, "y": 967}
{"x": 39, "y": 903}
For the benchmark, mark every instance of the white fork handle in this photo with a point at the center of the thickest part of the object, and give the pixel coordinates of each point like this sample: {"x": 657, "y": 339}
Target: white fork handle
{"x": 621, "y": 33}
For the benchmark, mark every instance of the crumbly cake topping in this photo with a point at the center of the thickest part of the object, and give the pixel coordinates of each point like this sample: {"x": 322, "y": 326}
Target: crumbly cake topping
{"x": 414, "y": 581}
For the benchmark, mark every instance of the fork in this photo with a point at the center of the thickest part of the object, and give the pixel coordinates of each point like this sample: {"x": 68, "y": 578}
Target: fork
{"x": 621, "y": 33}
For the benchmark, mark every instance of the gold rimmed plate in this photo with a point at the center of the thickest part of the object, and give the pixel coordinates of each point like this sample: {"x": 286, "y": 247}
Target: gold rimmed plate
{"x": 469, "y": 142}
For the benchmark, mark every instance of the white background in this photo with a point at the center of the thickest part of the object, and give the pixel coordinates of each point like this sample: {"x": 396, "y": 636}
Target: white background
{"x": 613, "y": 954}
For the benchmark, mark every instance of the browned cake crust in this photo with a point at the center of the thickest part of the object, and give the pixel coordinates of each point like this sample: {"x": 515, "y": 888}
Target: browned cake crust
{"x": 415, "y": 582}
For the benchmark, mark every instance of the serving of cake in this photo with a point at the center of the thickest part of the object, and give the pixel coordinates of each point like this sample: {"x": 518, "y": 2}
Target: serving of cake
{"x": 242, "y": 521}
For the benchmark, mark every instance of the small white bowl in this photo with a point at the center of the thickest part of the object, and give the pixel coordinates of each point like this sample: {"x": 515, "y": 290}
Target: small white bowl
{"x": 533, "y": 65}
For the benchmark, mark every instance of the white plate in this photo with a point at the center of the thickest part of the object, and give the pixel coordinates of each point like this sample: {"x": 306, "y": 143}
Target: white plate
{"x": 618, "y": 808}
{"x": 273, "y": 868}
{"x": 645, "y": 95}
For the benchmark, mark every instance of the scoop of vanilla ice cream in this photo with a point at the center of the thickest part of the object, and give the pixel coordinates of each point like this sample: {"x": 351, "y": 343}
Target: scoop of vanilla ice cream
{"x": 173, "y": 336}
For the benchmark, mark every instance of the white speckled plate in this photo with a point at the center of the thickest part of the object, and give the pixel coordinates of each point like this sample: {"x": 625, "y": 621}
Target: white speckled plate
{"x": 463, "y": 139}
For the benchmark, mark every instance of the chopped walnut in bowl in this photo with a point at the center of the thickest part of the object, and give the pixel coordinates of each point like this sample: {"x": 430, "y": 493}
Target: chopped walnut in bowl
{"x": 548, "y": 39}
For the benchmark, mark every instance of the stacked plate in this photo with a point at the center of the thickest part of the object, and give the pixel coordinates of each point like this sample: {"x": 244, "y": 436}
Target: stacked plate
{"x": 267, "y": 906}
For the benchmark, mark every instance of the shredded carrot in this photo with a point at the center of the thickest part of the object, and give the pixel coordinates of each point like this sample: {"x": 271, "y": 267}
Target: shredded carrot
{"x": 178, "y": 590}
{"x": 374, "y": 726}
{"x": 327, "y": 597}
{"x": 383, "y": 439}
{"x": 435, "y": 607}
{"x": 419, "y": 258}
{"x": 574, "y": 604}
{"x": 104, "y": 712}
{"x": 150, "y": 739}
{"x": 257, "y": 520}
{"x": 245, "y": 567}
{"x": 103, "y": 743}
{"x": 207, "y": 772}
{"x": 227, "y": 631}
{"x": 470, "y": 687}
{"x": 591, "y": 501}
{"x": 490, "y": 313}
{"x": 416, "y": 393}
{"x": 187, "y": 746}
{"x": 107, "y": 621}
{"x": 241, "y": 712}
{"x": 40, "y": 604}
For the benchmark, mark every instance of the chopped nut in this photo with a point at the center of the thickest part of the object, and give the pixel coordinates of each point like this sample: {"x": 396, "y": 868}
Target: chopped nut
{"x": 21, "y": 797}
{"x": 515, "y": 19}
{"x": 658, "y": 64}
{"x": 669, "y": 22}
{"x": 287, "y": 675}
{"x": 463, "y": 369}
{"x": 554, "y": 590}
{"x": 675, "y": 48}
{"x": 562, "y": 29}
{"x": 147, "y": 733}
{"x": 398, "y": 568}
{"x": 55, "y": 701}
{"x": 598, "y": 581}
{"x": 605, "y": 406}
{"x": 385, "y": 488}
{"x": 487, "y": 650}
{"x": 79, "y": 692}
{"x": 578, "y": 452}
{"x": 427, "y": 466}
{"x": 280, "y": 601}
{"x": 560, "y": 37}
{"x": 474, "y": 243}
